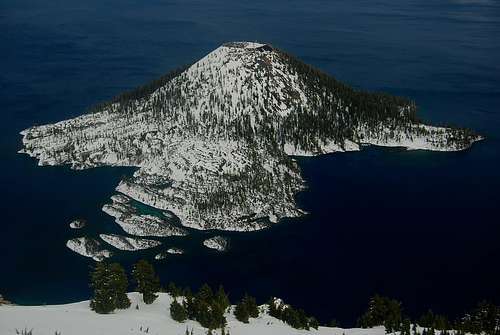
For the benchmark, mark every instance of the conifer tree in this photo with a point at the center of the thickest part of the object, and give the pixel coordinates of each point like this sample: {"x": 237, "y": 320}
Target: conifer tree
{"x": 174, "y": 290}
{"x": 274, "y": 310}
{"x": 246, "y": 308}
{"x": 147, "y": 281}
{"x": 221, "y": 298}
{"x": 190, "y": 305}
{"x": 110, "y": 284}
{"x": 252, "y": 308}
{"x": 313, "y": 323}
{"x": 119, "y": 283}
{"x": 406, "y": 328}
{"x": 102, "y": 301}
{"x": 177, "y": 311}
{"x": 241, "y": 312}
{"x": 205, "y": 293}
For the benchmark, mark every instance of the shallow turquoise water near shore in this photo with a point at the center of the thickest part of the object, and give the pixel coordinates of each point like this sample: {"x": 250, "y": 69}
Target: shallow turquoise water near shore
{"x": 418, "y": 226}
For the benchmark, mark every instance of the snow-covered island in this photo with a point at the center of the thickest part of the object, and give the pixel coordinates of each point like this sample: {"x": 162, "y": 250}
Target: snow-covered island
{"x": 161, "y": 255}
{"x": 129, "y": 243}
{"x": 219, "y": 243}
{"x": 214, "y": 142}
{"x": 138, "y": 224}
{"x": 77, "y": 224}
{"x": 89, "y": 247}
{"x": 175, "y": 251}
{"x": 171, "y": 251}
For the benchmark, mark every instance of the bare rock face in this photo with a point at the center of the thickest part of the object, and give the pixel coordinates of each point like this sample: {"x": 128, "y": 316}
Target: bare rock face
{"x": 213, "y": 141}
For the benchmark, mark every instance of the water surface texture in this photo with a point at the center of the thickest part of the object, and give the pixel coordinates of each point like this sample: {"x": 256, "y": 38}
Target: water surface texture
{"x": 418, "y": 226}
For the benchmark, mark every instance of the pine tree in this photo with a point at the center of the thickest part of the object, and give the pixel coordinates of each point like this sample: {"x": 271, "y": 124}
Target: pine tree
{"x": 313, "y": 323}
{"x": 110, "y": 284}
{"x": 247, "y": 307}
{"x": 119, "y": 283}
{"x": 221, "y": 298}
{"x": 177, "y": 311}
{"x": 147, "y": 281}
{"x": 102, "y": 302}
{"x": 241, "y": 312}
{"x": 382, "y": 311}
{"x": 252, "y": 308}
{"x": 173, "y": 290}
{"x": 406, "y": 329}
{"x": 388, "y": 326}
{"x": 189, "y": 305}
{"x": 274, "y": 310}
{"x": 205, "y": 293}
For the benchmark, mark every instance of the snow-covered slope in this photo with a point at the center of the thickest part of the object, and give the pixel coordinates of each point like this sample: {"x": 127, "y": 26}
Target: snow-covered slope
{"x": 154, "y": 319}
{"x": 212, "y": 142}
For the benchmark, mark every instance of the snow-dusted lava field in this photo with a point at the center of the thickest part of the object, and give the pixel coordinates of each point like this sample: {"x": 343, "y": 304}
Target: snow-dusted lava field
{"x": 214, "y": 143}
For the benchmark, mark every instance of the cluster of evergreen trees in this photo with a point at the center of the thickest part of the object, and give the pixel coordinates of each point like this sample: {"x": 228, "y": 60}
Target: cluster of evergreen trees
{"x": 382, "y": 311}
{"x": 485, "y": 318}
{"x": 296, "y": 318}
{"x": 110, "y": 284}
{"x": 246, "y": 308}
{"x": 124, "y": 99}
{"x": 208, "y": 308}
{"x": 204, "y": 306}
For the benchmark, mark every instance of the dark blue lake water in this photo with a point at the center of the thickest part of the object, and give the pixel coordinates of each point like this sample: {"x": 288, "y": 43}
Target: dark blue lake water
{"x": 419, "y": 226}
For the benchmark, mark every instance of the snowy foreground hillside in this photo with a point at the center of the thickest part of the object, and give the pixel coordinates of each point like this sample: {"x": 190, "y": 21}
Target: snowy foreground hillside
{"x": 214, "y": 142}
{"x": 78, "y": 319}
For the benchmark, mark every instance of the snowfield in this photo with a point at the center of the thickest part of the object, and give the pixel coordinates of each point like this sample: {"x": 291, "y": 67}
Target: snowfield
{"x": 154, "y": 319}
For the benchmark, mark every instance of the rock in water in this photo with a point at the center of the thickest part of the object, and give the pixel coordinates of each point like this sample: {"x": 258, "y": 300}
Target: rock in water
{"x": 129, "y": 243}
{"x": 175, "y": 251}
{"x": 218, "y": 243}
{"x": 77, "y": 224}
{"x": 171, "y": 251}
{"x": 89, "y": 247}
